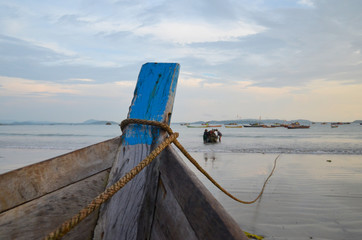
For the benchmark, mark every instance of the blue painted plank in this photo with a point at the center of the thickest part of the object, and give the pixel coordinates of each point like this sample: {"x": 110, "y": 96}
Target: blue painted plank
{"x": 153, "y": 100}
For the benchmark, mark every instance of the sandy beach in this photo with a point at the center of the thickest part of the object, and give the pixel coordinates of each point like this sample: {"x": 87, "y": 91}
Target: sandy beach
{"x": 308, "y": 197}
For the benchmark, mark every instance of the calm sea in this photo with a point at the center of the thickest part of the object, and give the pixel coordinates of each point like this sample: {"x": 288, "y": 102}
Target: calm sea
{"x": 25, "y": 144}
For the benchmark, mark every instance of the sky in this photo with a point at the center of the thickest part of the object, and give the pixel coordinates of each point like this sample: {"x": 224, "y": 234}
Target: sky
{"x": 70, "y": 61}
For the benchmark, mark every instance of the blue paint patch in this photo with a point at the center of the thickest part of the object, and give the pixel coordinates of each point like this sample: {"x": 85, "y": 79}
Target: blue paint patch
{"x": 138, "y": 134}
{"x": 154, "y": 94}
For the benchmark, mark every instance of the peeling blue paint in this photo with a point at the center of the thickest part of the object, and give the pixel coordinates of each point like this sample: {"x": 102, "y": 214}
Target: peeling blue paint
{"x": 154, "y": 94}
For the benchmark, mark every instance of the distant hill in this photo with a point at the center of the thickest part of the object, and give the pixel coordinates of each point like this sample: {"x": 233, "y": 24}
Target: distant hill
{"x": 263, "y": 121}
{"x": 249, "y": 121}
{"x": 99, "y": 122}
{"x": 104, "y": 122}
{"x": 88, "y": 122}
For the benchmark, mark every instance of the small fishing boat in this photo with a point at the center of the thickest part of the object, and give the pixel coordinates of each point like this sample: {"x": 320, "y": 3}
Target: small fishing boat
{"x": 197, "y": 126}
{"x": 212, "y": 136}
{"x": 233, "y": 126}
{"x": 164, "y": 201}
{"x": 297, "y": 125}
{"x": 255, "y": 125}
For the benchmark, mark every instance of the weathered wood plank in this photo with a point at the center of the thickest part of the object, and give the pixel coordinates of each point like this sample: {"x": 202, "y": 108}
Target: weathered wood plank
{"x": 37, "y": 218}
{"x": 204, "y": 213}
{"x": 129, "y": 214}
{"x": 33, "y": 181}
{"x": 170, "y": 221}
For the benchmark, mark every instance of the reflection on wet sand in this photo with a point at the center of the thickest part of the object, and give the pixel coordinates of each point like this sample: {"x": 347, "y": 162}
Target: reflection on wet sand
{"x": 209, "y": 156}
{"x": 306, "y": 198}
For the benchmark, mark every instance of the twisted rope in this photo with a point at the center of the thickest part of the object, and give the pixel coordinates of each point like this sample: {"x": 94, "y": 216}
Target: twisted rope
{"x": 110, "y": 191}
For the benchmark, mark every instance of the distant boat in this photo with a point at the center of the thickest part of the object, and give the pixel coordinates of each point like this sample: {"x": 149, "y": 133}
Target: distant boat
{"x": 297, "y": 125}
{"x": 277, "y": 125}
{"x": 196, "y": 126}
{"x": 253, "y": 125}
{"x": 334, "y": 125}
{"x": 233, "y": 126}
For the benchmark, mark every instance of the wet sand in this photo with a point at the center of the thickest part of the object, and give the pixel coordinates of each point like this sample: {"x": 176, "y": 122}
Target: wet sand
{"x": 308, "y": 196}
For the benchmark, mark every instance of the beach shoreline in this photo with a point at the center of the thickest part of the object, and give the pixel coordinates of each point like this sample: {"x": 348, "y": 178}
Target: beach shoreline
{"x": 309, "y": 196}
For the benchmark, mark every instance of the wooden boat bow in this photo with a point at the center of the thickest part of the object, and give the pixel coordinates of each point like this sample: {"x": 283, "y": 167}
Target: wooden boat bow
{"x": 164, "y": 201}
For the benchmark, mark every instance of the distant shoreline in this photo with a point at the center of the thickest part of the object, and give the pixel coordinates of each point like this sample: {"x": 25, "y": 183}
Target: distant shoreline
{"x": 88, "y": 122}
{"x": 238, "y": 121}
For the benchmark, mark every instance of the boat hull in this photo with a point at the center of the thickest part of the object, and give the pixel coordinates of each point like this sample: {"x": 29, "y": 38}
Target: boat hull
{"x": 204, "y": 126}
{"x": 36, "y": 199}
{"x": 298, "y": 127}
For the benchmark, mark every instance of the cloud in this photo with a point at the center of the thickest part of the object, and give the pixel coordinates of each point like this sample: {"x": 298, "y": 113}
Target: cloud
{"x": 126, "y": 84}
{"x": 190, "y": 82}
{"x": 199, "y": 31}
{"x": 30, "y": 88}
{"x": 23, "y": 59}
{"x": 233, "y": 54}
{"x": 308, "y": 3}
{"x": 24, "y": 87}
{"x": 81, "y": 79}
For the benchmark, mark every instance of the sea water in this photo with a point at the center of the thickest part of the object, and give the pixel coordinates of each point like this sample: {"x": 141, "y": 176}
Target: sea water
{"x": 315, "y": 192}
{"x": 318, "y": 139}
{"x": 21, "y": 145}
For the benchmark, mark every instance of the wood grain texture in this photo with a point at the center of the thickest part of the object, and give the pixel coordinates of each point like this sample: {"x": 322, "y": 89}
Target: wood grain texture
{"x": 129, "y": 214}
{"x": 37, "y": 218}
{"x": 170, "y": 221}
{"x": 204, "y": 213}
{"x": 28, "y": 183}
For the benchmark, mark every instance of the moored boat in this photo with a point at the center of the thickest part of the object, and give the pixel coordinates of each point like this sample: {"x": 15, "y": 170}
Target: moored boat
{"x": 38, "y": 198}
{"x": 297, "y": 125}
{"x": 196, "y": 126}
{"x": 233, "y": 126}
{"x": 253, "y": 125}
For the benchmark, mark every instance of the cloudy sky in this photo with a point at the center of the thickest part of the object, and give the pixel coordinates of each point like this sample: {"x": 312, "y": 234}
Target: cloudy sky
{"x": 70, "y": 61}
